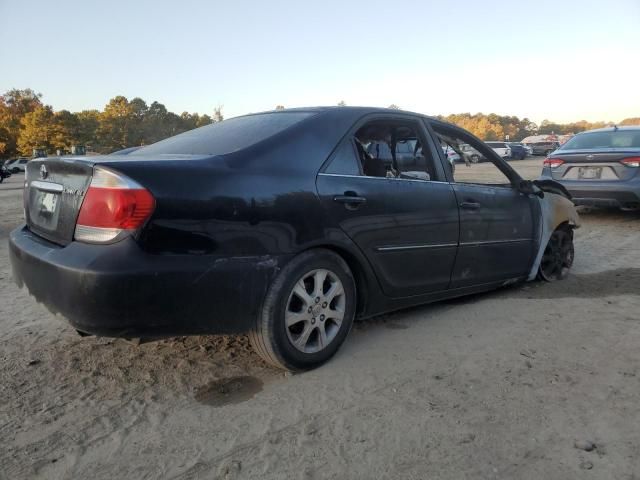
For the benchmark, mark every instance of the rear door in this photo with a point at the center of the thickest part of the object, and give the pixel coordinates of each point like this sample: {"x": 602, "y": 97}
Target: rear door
{"x": 407, "y": 228}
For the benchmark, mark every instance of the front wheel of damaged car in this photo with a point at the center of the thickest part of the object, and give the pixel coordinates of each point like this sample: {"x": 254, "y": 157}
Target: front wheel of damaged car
{"x": 558, "y": 255}
{"x": 307, "y": 313}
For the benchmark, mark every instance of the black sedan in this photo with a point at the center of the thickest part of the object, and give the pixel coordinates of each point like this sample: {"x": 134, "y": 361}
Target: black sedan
{"x": 283, "y": 225}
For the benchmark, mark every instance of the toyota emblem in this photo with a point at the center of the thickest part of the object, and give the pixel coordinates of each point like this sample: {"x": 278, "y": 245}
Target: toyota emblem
{"x": 589, "y": 157}
{"x": 43, "y": 172}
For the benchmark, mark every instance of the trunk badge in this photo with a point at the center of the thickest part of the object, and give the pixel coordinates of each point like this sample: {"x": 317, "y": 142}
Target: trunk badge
{"x": 43, "y": 172}
{"x": 589, "y": 157}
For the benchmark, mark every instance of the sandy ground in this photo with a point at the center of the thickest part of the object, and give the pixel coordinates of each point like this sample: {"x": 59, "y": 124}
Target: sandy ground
{"x": 504, "y": 385}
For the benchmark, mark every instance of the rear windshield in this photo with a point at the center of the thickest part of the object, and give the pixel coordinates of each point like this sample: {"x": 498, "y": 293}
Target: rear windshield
{"x": 496, "y": 144}
{"x": 225, "y": 137}
{"x": 612, "y": 139}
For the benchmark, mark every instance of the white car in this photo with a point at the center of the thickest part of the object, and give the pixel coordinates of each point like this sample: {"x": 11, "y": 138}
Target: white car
{"x": 17, "y": 165}
{"x": 500, "y": 148}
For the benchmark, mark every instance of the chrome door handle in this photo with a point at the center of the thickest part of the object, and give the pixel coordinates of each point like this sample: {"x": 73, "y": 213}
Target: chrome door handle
{"x": 470, "y": 205}
{"x": 351, "y": 202}
{"x": 349, "y": 199}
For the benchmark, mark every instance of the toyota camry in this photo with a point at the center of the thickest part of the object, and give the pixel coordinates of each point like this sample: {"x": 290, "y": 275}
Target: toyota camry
{"x": 285, "y": 225}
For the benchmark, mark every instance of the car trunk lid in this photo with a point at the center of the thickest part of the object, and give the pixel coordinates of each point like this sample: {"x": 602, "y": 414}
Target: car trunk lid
{"x": 590, "y": 166}
{"x": 54, "y": 190}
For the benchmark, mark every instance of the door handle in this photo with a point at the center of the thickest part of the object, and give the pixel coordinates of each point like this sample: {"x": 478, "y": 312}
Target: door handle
{"x": 351, "y": 202}
{"x": 470, "y": 205}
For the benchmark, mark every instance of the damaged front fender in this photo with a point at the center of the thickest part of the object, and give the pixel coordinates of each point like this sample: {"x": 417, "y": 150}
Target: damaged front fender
{"x": 556, "y": 209}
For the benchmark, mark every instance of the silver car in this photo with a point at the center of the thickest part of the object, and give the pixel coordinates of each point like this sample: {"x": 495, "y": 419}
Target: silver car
{"x": 599, "y": 167}
{"x": 16, "y": 166}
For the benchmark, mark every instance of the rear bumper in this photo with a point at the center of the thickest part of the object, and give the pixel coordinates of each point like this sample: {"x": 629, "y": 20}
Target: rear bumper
{"x": 121, "y": 291}
{"x": 605, "y": 194}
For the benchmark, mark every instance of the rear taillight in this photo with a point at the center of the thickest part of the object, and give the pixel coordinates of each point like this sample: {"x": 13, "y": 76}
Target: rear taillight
{"x": 113, "y": 207}
{"x": 552, "y": 162}
{"x": 631, "y": 162}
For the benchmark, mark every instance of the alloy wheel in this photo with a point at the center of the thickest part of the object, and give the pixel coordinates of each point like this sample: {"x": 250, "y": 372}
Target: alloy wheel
{"x": 315, "y": 310}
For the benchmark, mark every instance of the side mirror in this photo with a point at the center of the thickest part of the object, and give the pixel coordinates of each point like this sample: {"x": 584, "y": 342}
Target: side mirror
{"x": 529, "y": 188}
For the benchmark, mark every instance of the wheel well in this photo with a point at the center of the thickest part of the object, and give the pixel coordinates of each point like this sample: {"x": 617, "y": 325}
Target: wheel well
{"x": 565, "y": 225}
{"x": 358, "y": 275}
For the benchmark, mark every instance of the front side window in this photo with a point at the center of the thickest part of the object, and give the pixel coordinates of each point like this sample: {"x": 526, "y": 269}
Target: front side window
{"x": 466, "y": 163}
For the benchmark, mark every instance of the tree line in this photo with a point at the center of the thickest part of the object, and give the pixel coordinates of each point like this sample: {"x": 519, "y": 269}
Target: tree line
{"x": 26, "y": 123}
{"x": 498, "y": 127}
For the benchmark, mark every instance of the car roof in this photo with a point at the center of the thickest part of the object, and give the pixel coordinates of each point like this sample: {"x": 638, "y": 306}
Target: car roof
{"x": 612, "y": 129}
{"x": 346, "y": 109}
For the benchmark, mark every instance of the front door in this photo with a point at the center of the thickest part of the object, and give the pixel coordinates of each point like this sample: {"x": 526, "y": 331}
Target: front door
{"x": 496, "y": 234}
{"x": 497, "y": 222}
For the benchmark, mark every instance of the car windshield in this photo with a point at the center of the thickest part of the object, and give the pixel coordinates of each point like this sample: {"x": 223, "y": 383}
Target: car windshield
{"x": 610, "y": 139}
{"x": 225, "y": 137}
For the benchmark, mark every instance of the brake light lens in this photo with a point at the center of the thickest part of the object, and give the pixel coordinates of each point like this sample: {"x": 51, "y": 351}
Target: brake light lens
{"x": 552, "y": 162}
{"x": 113, "y": 207}
{"x": 631, "y": 162}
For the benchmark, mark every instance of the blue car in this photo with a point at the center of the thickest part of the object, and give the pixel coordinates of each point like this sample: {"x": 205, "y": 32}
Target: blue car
{"x": 518, "y": 151}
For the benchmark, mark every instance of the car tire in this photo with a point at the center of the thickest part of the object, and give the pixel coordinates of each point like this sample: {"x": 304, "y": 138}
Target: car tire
{"x": 558, "y": 255}
{"x": 475, "y": 158}
{"x": 299, "y": 327}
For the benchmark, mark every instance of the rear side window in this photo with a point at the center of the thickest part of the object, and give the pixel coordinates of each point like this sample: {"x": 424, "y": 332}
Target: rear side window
{"x": 612, "y": 139}
{"x": 344, "y": 161}
{"x": 225, "y": 137}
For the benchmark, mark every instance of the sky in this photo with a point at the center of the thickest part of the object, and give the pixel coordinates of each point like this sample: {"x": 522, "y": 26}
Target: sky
{"x": 558, "y": 60}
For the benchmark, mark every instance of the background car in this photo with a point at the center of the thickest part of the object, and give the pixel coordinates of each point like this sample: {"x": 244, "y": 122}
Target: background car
{"x": 501, "y": 148}
{"x": 518, "y": 150}
{"x": 281, "y": 225}
{"x": 4, "y": 173}
{"x": 543, "y": 148}
{"x": 452, "y": 155}
{"x": 599, "y": 167}
{"x": 471, "y": 153}
{"x": 18, "y": 165}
